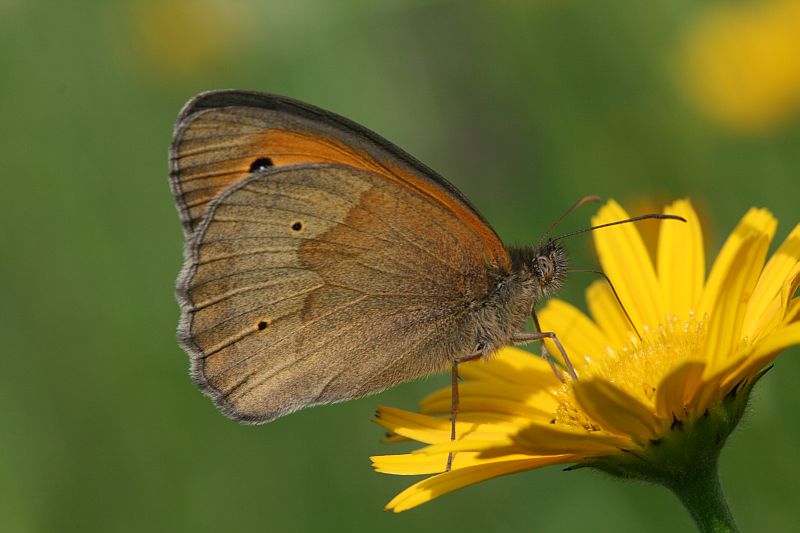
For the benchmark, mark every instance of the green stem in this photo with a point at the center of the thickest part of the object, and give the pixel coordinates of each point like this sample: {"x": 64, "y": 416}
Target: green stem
{"x": 685, "y": 458}
{"x": 701, "y": 494}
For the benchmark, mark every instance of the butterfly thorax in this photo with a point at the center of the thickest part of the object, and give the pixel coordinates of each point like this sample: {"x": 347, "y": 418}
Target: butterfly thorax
{"x": 536, "y": 273}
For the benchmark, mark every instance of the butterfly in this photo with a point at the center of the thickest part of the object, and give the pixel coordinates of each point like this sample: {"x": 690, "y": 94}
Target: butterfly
{"x": 322, "y": 263}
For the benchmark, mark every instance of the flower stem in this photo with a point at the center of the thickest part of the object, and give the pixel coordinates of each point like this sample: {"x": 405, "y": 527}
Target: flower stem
{"x": 701, "y": 494}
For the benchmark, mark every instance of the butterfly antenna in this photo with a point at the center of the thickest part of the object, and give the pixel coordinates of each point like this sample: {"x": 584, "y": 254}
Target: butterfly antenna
{"x": 565, "y": 214}
{"x": 626, "y": 221}
{"x": 601, "y": 273}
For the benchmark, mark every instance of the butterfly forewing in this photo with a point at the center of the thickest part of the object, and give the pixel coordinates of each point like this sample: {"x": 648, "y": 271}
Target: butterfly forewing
{"x": 222, "y": 137}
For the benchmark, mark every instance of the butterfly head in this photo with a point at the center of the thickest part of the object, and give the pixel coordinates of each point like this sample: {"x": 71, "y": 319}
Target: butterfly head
{"x": 544, "y": 265}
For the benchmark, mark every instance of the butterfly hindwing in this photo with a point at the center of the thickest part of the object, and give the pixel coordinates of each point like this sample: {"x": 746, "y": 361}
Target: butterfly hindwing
{"x": 319, "y": 283}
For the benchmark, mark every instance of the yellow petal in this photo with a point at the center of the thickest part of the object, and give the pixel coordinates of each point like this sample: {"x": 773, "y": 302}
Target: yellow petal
{"x": 677, "y": 389}
{"x": 481, "y": 396}
{"x": 681, "y": 260}
{"x": 615, "y": 410}
{"x": 503, "y": 443}
{"x": 790, "y": 288}
{"x": 411, "y": 464}
{"x": 764, "y": 352}
{"x": 713, "y": 386}
{"x": 709, "y": 391}
{"x": 735, "y": 288}
{"x": 782, "y": 266}
{"x": 511, "y": 365}
{"x": 394, "y": 437}
{"x": 775, "y": 312}
{"x": 415, "y": 426}
{"x": 433, "y": 430}
{"x": 608, "y": 314}
{"x": 754, "y": 222}
{"x": 548, "y": 439}
{"x": 626, "y": 261}
{"x": 792, "y": 310}
{"x": 537, "y": 439}
{"x": 435, "y": 486}
{"x": 580, "y": 337}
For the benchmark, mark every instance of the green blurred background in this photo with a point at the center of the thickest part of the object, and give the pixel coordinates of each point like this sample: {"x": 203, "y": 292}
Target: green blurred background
{"x": 523, "y": 105}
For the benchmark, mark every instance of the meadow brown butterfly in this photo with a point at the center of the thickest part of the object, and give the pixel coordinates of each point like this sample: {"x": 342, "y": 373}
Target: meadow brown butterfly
{"x": 322, "y": 263}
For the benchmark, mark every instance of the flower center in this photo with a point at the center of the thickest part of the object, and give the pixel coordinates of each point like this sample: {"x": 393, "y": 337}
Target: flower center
{"x": 638, "y": 367}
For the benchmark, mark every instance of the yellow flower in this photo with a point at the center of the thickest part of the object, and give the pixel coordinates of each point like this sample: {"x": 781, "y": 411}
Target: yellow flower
{"x": 181, "y": 38}
{"x": 698, "y": 346}
{"x": 739, "y": 64}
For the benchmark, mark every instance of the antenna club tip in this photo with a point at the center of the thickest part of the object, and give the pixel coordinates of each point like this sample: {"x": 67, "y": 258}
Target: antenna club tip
{"x": 673, "y": 217}
{"x": 586, "y": 199}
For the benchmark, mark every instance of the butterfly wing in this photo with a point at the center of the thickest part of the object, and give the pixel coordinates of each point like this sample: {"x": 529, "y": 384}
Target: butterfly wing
{"x": 222, "y": 136}
{"x": 315, "y": 284}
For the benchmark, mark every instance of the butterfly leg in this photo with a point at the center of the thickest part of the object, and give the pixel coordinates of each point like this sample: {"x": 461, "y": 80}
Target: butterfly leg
{"x": 567, "y": 362}
{"x": 545, "y": 354}
{"x": 454, "y": 399}
{"x": 526, "y": 337}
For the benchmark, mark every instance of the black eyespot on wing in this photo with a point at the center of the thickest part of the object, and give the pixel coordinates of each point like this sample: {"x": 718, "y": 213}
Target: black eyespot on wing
{"x": 262, "y": 325}
{"x": 297, "y": 226}
{"x": 262, "y": 163}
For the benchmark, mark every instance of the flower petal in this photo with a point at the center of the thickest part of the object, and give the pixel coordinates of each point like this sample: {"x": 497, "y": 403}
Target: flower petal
{"x": 608, "y": 314}
{"x": 754, "y": 222}
{"x": 788, "y": 303}
{"x": 435, "y": 486}
{"x": 432, "y": 430}
{"x": 414, "y": 426}
{"x": 776, "y": 312}
{"x": 411, "y": 464}
{"x": 626, "y": 261}
{"x": 615, "y": 410}
{"x": 681, "y": 259}
{"x": 764, "y": 353}
{"x": 781, "y": 267}
{"x": 792, "y": 310}
{"x": 709, "y": 391}
{"x": 548, "y": 439}
{"x": 724, "y": 330}
{"x": 537, "y": 439}
{"x": 511, "y": 365}
{"x": 580, "y": 337}
{"x": 503, "y": 445}
{"x": 482, "y": 396}
{"x": 676, "y": 390}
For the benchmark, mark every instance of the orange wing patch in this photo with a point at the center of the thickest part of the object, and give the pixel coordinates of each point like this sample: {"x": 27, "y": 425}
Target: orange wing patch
{"x": 206, "y": 168}
{"x": 210, "y": 160}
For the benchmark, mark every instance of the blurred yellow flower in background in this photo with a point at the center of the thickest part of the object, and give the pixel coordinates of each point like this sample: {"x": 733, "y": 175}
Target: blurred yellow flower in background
{"x": 179, "y": 38}
{"x": 739, "y": 64}
{"x": 656, "y": 396}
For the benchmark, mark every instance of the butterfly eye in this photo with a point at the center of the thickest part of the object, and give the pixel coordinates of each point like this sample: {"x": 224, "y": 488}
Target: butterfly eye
{"x": 545, "y": 267}
{"x": 261, "y": 163}
{"x": 297, "y": 226}
{"x": 262, "y": 325}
